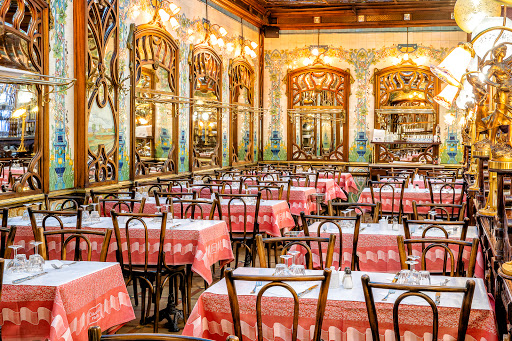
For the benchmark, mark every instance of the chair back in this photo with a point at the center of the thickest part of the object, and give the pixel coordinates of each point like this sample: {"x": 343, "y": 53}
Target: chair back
{"x": 7, "y": 234}
{"x": 336, "y": 209}
{"x": 457, "y": 266}
{"x": 441, "y": 191}
{"x": 436, "y": 225}
{"x": 269, "y": 246}
{"x": 65, "y": 202}
{"x": 114, "y": 194}
{"x": 324, "y": 221}
{"x": 196, "y": 209}
{"x": 241, "y": 199}
{"x": 268, "y": 192}
{"x": 282, "y": 282}
{"x": 377, "y": 188}
{"x": 445, "y": 211}
{"x": 420, "y": 292}
{"x": 287, "y": 185}
{"x": 120, "y": 205}
{"x": 166, "y": 197}
{"x": 53, "y": 219}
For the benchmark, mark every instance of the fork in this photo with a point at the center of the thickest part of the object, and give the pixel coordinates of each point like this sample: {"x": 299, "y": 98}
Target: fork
{"x": 258, "y": 284}
{"x": 390, "y": 292}
{"x": 58, "y": 267}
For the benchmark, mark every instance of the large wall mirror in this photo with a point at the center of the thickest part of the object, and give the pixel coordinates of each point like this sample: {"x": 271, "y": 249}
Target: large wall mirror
{"x": 406, "y": 114}
{"x": 241, "y": 87}
{"x": 154, "y": 60}
{"x": 317, "y": 113}
{"x": 205, "y": 117}
{"x": 102, "y": 91}
{"x": 23, "y": 48}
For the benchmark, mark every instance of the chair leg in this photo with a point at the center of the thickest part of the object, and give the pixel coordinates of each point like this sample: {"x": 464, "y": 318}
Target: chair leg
{"x": 184, "y": 298}
{"x": 189, "y": 287}
{"x": 135, "y": 293}
{"x": 157, "y": 307}
{"x": 143, "y": 305}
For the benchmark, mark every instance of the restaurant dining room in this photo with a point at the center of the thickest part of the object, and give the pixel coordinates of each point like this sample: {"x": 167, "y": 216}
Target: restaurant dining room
{"x": 256, "y": 170}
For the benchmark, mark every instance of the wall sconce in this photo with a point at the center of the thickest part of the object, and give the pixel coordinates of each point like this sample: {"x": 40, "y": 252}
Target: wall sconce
{"x": 166, "y": 11}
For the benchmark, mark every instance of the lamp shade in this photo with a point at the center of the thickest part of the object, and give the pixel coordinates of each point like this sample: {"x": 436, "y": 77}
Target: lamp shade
{"x": 454, "y": 65}
{"x": 488, "y": 40}
{"x": 447, "y": 96}
{"x": 466, "y": 97}
{"x": 469, "y": 13}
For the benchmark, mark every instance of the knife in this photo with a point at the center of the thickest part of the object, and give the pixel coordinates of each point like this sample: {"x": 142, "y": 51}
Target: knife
{"x": 19, "y": 280}
{"x": 308, "y": 290}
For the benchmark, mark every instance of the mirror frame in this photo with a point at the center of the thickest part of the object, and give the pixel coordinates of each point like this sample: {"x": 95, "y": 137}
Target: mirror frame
{"x": 162, "y": 45}
{"x": 36, "y": 37}
{"x": 241, "y": 75}
{"x": 205, "y": 62}
{"x": 294, "y": 88}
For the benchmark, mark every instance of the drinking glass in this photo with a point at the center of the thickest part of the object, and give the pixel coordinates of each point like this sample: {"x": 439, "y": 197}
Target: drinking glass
{"x": 395, "y": 225}
{"x": 403, "y": 276}
{"x": 424, "y": 277}
{"x": 346, "y": 223}
{"x": 432, "y": 214}
{"x": 25, "y": 216}
{"x": 294, "y": 254}
{"x": 35, "y": 261}
{"x": 284, "y": 260}
{"x": 300, "y": 270}
{"x": 16, "y": 264}
{"x": 85, "y": 214}
{"x": 158, "y": 211}
{"x": 281, "y": 270}
{"x": 95, "y": 214}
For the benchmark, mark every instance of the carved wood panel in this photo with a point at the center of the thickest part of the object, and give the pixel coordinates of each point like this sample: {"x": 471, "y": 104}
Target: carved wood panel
{"x": 154, "y": 47}
{"x": 241, "y": 77}
{"x": 102, "y": 90}
{"x": 319, "y": 86}
{"x": 24, "y": 45}
{"x": 206, "y": 79}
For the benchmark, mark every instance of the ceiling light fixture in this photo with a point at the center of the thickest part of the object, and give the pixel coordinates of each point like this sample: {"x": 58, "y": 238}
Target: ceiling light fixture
{"x": 213, "y": 33}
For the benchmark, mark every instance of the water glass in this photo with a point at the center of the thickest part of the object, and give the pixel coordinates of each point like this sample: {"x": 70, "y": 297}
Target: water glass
{"x": 95, "y": 215}
{"x": 281, "y": 270}
{"x": 424, "y": 277}
{"x": 25, "y": 216}
{"x": 35, "y": 261}
{"x": 300, "y": 270}
{"x": 85, "y": 214}
{"x": 403, "y": 276}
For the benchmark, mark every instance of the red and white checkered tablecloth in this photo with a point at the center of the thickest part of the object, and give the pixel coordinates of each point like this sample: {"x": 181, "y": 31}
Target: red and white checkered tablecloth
{"x": 346, "y": 181}
{"x": 421, "y": 196}
{"x": 301, "y": 199}
{"x": 345, "y": 317}
{"x": 274, "y": 215}
{"x": 200, "y": 243}
{"x": 63, "y": 304}
{"x": 378, "y": 249}
{"x": 331, "y": 189}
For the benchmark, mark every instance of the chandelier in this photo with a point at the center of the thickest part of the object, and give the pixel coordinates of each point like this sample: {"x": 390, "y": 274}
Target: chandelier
{"x": 213, "y": 34}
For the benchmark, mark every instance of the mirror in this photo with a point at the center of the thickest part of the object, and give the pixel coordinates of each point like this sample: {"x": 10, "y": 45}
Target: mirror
{"x": 154, "y": 53}
{"x": 317, "y": 106}
{"x": 205, "y": 118}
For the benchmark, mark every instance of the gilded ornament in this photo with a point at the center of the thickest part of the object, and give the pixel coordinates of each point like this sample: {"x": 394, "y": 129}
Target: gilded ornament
{"x": 469, "y": 13}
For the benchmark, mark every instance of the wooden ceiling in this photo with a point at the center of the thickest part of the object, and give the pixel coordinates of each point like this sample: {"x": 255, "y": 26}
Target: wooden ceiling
{"x": 305, "y": 14}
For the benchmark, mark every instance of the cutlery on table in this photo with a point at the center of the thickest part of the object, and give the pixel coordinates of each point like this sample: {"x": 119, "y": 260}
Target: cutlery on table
{"x": 308, "y": 290}
{"x": 438, "y": 294}
{"x": 391, "y": 291}
{"x": 55, "y": 266}
{"x": 20, "y": 280}
{"x": 258, "y": 284}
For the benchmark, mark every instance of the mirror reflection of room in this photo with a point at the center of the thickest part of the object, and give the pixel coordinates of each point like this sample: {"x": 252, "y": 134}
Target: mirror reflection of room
{"x": 242, "y": 136}
{"x": 204, "y": 127}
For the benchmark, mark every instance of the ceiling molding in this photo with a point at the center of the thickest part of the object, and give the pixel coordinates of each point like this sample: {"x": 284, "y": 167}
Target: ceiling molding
{"x": 249, "y": 10}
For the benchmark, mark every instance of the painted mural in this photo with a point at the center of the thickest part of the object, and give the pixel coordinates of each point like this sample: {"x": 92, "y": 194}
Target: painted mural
{"x": 362, "y": 63}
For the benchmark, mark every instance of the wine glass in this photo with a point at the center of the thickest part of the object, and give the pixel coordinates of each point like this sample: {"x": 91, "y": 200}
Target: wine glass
{"x": 16, "y": 264}
{"x": 36, "y": 261}
{"x": 95, "y": 214}
{"x": 85, "y": 214}
{"x": 284, "y": 260}
{"x": 413, "y": 276}
{"x": 294, "y": 254}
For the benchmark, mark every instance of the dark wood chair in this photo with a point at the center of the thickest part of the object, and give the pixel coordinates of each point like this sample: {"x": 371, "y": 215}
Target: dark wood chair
{"x": 78, "y": 236}
{"x": 65, "y": 202}
{"x": 113, "y": 194}
{"x": 287, "y": 186}
{"x": 266, "y": 246}
{"x": 417, "y": 291}
{"x": 457, "y": 267}
{"x": 196, "y": 209}
{"x": 169, "y": 197}
{"x": 241, "y": 239}
{"x": 95, "y": 335}
{"x": 151, "y": 276}
{"x": 437, "y": 225}
{"x": 267, "y": 191}
{"x": 231, "y": 278}
{"x": 7, "y": 234}
{"x": 450, "y": 192}
{"x": 230, "y": 186}
{"x": 120, "y": 205}
{"x": 53, "y": 219}
{"x": 336, "y": 208}
{"x": 308, "y": 220}
{"x": 378, "y": 187}
{"x": 444, "y": 211}
{"x": 209, "y": 188}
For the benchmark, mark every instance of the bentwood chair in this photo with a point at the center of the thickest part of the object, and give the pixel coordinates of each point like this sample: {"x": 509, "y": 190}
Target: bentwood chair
{"x": 241, "y": 238}
{"x": 169, "y": 197}
{"x": 119, "y": 205}
{"x": 79, "y": 237}
{"x": 229, "y": 186}
{"x": 323, "y": 222}
{"x": 95, "y": 335}
{"x": 231, "y": 278}
{"x": 53, "y": 219}
{"x": 268, "y": 192}
{"x": 113, "y": 194}
{"x": 65, "y": 202}
{"x": 443, "y": 211}
{"x": 152, "y": 275}
{"x": 266, "y": 246}
{"x": 7, "y": 235}
{"x": 442, "y": 225}
{"x": 287, "y": 185}
{"x": 373, "y": 210}
{"x": 419, "y": 292}
{"x": 378, "y": 190}
{"x": 196, "y": 209}
{"x": 443, "y": 192}
{"x": 457, "y": 266}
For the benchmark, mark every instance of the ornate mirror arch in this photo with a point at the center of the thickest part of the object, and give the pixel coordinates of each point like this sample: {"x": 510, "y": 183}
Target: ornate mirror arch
{"x": 24, "y": 42}
{"x": 205, "y": 116}
{"x": 317, "y": 113}
{"x": 405, "y": 106}
{"x": 154, "y": 59}
{"x": 241, "y": 93}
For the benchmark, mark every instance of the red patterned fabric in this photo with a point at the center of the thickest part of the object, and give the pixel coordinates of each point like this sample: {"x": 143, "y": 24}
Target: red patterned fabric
{"x": 66, "y": 311}
{"x": 346, "y": 181}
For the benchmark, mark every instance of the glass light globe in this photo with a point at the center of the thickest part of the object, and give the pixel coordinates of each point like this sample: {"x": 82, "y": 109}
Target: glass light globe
{"x": 447, "y": 96}
{"x": 469, "y": 13}
{"x": 454, "y": 65}
{"x": 486, "y": 41}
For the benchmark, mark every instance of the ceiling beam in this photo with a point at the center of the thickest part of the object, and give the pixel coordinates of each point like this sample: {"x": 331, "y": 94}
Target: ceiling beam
{"x": 249, "y": 10}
